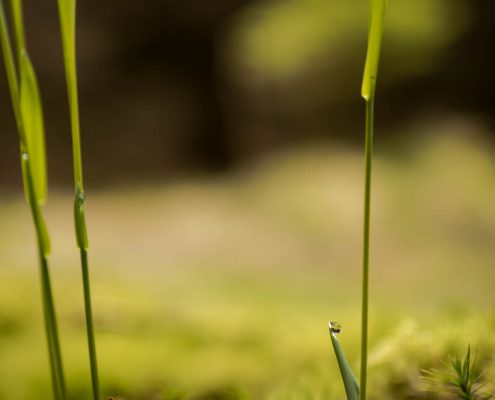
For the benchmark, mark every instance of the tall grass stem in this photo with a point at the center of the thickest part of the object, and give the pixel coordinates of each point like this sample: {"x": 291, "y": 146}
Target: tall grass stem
{"x": 54, "y": 347}
{"x": 16, "y": 11}
{"x": 30, "y": 188}
{"x": 375, "y": 35}
{"x": 366, "y": 246}
{"x": 67, "y": 14}
{"x": 89, "y": 323}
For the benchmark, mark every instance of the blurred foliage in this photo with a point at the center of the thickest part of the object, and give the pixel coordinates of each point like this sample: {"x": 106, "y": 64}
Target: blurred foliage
{"x": 204, "y": 86}
{"x": 222, "y": 289}
{"x": 280, "y": 39}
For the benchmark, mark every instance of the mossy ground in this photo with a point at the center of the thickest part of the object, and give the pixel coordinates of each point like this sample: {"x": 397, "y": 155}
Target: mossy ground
{"x": 221, "y": 288}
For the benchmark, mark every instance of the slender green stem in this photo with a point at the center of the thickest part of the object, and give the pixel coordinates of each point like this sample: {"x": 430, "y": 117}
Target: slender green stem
{"x": 366, "y": 246}
{"x": 52, "y": 322}
{"x": 10, "y": 69}
{"x": 375, "y": 35}
{"x": 43, "y": 237}
{"x": 50, "y": 316}
{"x": 57, "y": 393}
{"x": 89, "y": 323}
{"x": 67, "y": 13}
{"x": 16, "y": 11}
{"x": 51, "y": 330}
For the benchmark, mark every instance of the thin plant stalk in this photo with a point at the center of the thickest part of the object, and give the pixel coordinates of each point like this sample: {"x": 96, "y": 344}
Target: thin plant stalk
{"x": 26, "y": 104}
{"x": 366, "y": 246}
{"x": 67, "y": 13}
{"x": 89, "y": 324}
{"x": 56, "y": 366}
{"x": 375, "y": 34}
{"x": 16, "y": 11}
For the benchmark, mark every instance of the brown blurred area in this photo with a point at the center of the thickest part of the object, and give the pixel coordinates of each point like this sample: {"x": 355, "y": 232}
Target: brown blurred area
{"x": 167, "y": 88}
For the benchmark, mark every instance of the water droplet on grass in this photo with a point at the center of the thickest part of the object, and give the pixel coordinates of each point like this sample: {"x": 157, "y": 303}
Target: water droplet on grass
{"x": 334, "y": 327}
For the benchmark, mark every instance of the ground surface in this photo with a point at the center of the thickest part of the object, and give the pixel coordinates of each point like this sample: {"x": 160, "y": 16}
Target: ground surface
{"x": 222, "y": 288}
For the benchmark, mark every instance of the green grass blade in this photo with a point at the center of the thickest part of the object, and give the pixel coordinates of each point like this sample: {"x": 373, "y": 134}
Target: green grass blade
{"x": 89, "y": 325}
{"x": 32, "y": 159}
{"x": 16, "y": 10}
{"x": 374, "y": 47}
{"x": 53, "y": 339}
{"x": 32, "y": 119}
{"x": 39, "y": 223}
{"x": 375, "y": 33}
{"x": 67, "y": 11}
{"x": 366, "y": 245}
{"x": 10, "y": 69}
{"x": 57, "y": 394}
{"x": 350, "y": 383}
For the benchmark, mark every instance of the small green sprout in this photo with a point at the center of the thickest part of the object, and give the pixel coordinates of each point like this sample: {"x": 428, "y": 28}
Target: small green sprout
{"x": 459, "y": 380}
{"x": 350, "y": 384}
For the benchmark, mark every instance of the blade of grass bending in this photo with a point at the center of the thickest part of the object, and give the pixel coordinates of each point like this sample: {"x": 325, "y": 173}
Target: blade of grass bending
{"x": 350, "y": 384}
{"x": 67, "y": 13}
{"x": 10, "y": 70}
{"x": 32, "y": 118}
{"x": 375, "y": 34}
{"x": 30, "y": 189}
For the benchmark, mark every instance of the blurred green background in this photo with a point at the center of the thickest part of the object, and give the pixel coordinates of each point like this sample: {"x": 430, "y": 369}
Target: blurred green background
{"x": 222, "y": 150}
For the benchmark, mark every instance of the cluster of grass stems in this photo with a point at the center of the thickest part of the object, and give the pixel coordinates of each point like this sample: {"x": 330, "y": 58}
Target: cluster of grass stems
{"x": 28, "y": 113}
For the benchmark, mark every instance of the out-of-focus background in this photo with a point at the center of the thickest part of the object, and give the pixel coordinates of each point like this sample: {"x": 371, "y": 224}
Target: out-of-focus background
{"x": 222, "y": 146}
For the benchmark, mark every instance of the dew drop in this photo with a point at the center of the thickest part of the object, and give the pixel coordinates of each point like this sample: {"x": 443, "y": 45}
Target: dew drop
{"x": 334, "y": 327}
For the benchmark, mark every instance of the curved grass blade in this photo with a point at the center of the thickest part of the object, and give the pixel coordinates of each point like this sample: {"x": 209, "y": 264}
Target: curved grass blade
{"x": 28, "y": 167}
{"x": 350, "y": 383}
{"x": 41, "y": 230}
{"x": 32, "y": 119}
{"x": 10, "y": 70}
{"x": 375, "y": 34}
